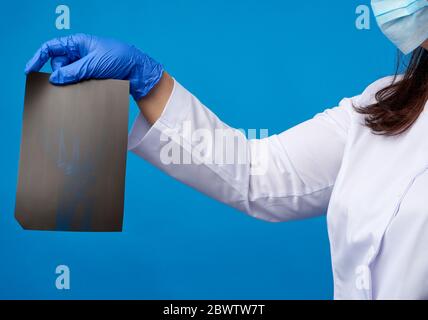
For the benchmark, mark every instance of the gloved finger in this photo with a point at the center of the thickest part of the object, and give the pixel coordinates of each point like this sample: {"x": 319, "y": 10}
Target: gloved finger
{"x": 58, "y": 62}
{"x": 72, "y": 73}
{"x": 64, "y": 46}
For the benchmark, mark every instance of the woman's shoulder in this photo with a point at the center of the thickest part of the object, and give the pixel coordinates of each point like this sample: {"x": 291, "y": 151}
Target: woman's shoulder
{"x": 369, "y": 94}
{"x": 349, "y": 106}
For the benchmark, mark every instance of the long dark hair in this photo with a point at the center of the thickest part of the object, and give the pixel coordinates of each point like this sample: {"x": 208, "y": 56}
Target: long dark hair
{"x": 399, "y": 105}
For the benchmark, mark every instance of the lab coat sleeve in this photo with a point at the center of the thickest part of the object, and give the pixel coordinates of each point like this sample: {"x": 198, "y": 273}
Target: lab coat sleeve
{"x": 282, "y": 177}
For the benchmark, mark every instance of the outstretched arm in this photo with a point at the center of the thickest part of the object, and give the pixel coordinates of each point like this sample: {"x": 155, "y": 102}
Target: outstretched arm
{"x": 283, "y": 177}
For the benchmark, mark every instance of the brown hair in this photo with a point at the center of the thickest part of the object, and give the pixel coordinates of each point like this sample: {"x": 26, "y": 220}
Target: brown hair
{"x": 399, "y": 105}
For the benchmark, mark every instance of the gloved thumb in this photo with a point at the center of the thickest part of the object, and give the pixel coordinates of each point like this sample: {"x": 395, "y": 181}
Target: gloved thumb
{"x": 71, "y": 73}
{"x": 59, "y": 62}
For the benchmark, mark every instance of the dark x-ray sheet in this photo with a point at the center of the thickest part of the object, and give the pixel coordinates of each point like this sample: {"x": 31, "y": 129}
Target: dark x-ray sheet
{"x": 73, "y": 155}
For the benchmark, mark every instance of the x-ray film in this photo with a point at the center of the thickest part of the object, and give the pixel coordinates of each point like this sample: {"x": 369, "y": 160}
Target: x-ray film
{"x": 73, "y": 155}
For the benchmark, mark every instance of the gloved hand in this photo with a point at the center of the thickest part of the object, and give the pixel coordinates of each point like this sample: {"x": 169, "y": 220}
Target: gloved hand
{"x": 80, "y": 57}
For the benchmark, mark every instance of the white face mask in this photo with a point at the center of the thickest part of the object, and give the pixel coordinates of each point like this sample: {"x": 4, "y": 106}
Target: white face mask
{"x": 404, "y": 22}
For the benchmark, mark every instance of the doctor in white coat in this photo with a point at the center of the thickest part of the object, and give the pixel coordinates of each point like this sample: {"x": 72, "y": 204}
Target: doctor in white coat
{"x": 363, "y": 163}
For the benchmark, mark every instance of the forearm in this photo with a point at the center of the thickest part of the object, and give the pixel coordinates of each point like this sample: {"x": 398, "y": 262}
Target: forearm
{"x": 152, "y": 105}
{"x": 191, "y": 144}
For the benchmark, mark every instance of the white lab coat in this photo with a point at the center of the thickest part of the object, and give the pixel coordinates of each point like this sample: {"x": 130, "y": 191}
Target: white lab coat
{"x": 374, "y": 189}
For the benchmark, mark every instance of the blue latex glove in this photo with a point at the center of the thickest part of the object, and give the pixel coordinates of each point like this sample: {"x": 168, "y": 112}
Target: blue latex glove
{"x": 80, "y": 57}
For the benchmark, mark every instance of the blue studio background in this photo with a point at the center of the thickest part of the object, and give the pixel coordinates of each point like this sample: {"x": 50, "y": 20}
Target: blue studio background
{"x": 257, "y": 64}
